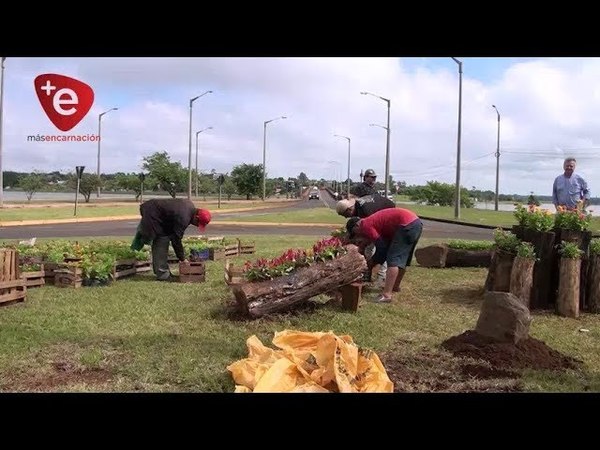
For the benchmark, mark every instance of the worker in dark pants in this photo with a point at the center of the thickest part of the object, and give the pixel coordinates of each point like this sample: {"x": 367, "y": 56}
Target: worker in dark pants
{"x": 164, "y": 222}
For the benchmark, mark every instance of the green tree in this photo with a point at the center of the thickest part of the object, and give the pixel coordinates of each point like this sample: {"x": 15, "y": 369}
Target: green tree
{"x": 89, "y": 183}
{"x": 32, "y": 183}
{"x": 442, "y": 194}
{"x": 303, "y": 179}
{"x": 171, "y": 176}
{"x": 131, "y": 182}
{"x": 532, "y": 200}
{"x": 248, "y": 179}
{"x": 229, "y": 187}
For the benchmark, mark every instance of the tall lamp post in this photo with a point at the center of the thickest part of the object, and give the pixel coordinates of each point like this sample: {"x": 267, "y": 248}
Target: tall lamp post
{"x": 264, "y": 193}
{"x": 1, "y": 107}
{"x": 387, "y": 146}
{"x": 99, "y": 142}
{"x": 192, "y": 100}
{"x": 497, "y": 159}
{"x": 457, "y": 194}
{"x": 197, "y": 133}
{"x": 348, "y": 180}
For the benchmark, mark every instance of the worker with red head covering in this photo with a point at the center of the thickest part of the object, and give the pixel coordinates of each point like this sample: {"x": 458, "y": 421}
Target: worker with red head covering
{"x": 164, "y": 222}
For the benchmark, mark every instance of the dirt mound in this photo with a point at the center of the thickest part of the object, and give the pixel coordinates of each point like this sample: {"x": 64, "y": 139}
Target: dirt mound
{"x": 528, "y": 353}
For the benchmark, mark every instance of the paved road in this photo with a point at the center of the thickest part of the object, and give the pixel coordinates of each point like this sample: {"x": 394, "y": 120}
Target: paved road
{"x": 431, "y": 229}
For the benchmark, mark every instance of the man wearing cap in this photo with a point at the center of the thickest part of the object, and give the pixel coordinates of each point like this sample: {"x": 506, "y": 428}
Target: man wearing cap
{"x": 164, "y": 222}
{"x": 395, "y": 233}
{"x": 367, "y": 187}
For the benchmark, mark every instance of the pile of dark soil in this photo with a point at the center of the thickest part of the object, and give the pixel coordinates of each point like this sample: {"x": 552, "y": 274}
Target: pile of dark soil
{"x": 528, "y": 353}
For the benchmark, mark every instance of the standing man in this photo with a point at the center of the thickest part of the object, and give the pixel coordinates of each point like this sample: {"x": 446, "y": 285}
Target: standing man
{"x": 367, "y": 187}
{"x": 570, "y": 188}
{"x": 164, "y": 222}
{"x": 395, "y": 233}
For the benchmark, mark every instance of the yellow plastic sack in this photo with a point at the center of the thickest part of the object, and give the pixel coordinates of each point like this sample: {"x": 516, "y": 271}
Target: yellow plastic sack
{"x": 309, "y": 362}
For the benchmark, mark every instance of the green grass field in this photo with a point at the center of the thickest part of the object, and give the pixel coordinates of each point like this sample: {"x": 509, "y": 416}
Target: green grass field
{"x": 139, "y": 335}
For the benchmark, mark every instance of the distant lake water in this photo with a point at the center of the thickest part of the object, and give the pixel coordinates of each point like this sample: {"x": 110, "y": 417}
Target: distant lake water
{"x": 594, "y": 209}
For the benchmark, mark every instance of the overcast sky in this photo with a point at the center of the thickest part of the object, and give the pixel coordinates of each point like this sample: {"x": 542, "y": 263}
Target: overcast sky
{"x": 549, "y": 109}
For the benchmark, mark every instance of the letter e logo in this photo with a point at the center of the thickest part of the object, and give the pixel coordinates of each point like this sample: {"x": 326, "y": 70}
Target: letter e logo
{"x": 65, "y": 100}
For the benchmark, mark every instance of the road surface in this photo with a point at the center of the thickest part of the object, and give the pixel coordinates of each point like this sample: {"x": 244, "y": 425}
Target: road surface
{"x": 431, "y": 229}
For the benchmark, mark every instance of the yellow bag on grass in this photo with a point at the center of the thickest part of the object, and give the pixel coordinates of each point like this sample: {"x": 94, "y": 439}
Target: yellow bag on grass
{"x": 309, "y": 362}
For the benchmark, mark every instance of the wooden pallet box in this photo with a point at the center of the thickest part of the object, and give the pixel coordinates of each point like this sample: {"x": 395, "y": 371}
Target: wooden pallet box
{"x": 124, "y": 268}
{"x": 12, "y": 286}
{"x": 68, "y": 276}
{"x": 233, "y": 274}
{"x": 143, "y": 266}
{"x": 246, "y": 248}
{"x": 34, "y": 278}
{"x": 192, "y": 272}
{"x": 227, "y": 251}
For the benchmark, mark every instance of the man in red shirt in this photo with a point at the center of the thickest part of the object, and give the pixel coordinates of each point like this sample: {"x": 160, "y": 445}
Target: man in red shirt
{"x": 395, "y": 233}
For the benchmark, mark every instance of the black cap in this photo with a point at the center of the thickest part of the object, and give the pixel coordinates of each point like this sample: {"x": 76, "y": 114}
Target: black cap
{"x": 351, "y": 224}
{"x": 370, "y": 173}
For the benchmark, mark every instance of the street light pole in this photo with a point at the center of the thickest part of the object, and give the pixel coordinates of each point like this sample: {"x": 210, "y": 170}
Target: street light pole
{"x": 497, "y": 160}
{"x": 457, "y": 194}
{"x": 264, "y": 181}
{"x": 190, "y": 145}
{"x": 99, "y": 141}
{"x": 1, "y": 107}
{"x": 197, "y": 175}
{"x": 348, "y": 180}
{"x": 387, "y": 146}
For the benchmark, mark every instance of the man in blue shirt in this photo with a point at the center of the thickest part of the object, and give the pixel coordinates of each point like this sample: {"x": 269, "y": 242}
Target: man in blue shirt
{"x": 569, "y": 187}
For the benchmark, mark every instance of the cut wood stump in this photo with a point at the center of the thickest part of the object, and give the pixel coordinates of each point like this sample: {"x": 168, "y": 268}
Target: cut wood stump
{"x": 432, "y": 255}
{"x": 280, "y": 294}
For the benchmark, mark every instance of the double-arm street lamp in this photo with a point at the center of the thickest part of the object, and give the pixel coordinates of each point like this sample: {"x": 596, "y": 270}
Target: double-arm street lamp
{"x": 264, "y": 183}
{"x": 457, "y": 194}
{"x": 387, "y": 146}
{"x": 190, "y": 145}
{"x": 348, "y": 180}
{"x": 1, "y": 107}
{"x": 197, "y": 174}
{"x": 497, "y": 159}
{"x": 99, "y": 143}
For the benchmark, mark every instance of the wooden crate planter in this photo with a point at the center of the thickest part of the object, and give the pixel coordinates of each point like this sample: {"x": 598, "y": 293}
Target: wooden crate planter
{"x": 143, "y": 266}
{"x": 124, "y": 268}
{"x": 233, "y": 274}
{"x": 227, "y": 251}
{"x": 34, "y": 278}
{"x": 192, "y": 272}
{"x": 68, "y": 276}
{"x": 12, "y": 286}
{"x": 246, "y": 248}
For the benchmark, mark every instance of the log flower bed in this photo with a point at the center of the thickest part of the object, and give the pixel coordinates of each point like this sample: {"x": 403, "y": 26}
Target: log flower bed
{"x": 294, "y": 277}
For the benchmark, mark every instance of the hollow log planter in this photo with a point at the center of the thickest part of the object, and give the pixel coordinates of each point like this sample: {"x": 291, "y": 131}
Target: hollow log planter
{"x": 261, "y": 298}
{"x": 521, "y": 279}
{"x": 543, "y": 293}
{"x": 593, "y": 284}
{"x": 499, "y": 273}
{"x": 567, "y": 302}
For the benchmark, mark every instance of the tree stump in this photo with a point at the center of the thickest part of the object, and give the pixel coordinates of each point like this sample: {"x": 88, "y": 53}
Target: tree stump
{"x": 567, "y": 303}
{"x": 543, "y": 294}
{"x": 521, "y": 279}
{"x": 280, "y": 294}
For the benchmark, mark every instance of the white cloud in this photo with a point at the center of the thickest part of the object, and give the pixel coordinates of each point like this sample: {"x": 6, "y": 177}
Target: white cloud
{"x": 549, "y": 109}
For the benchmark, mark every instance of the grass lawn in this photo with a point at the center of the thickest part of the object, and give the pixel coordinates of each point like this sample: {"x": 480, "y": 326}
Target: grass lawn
{"x": 49, "y": 212}
{"x": 145, "y": 336}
